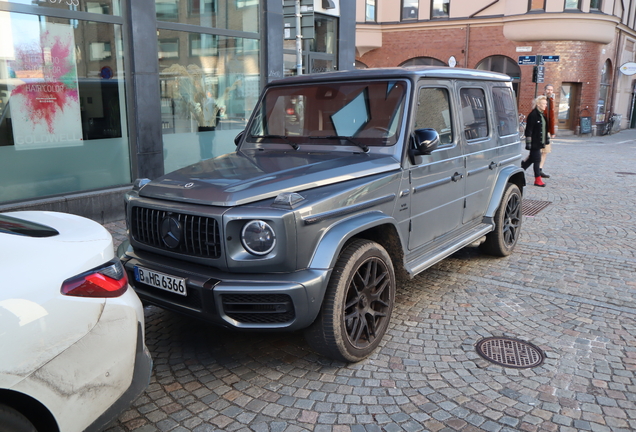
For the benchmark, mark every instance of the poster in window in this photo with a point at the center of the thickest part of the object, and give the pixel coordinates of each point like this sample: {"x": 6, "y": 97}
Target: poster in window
{"x": 45, "y": 103}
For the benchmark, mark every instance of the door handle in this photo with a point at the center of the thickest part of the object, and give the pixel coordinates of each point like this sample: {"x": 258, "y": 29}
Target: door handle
{"x": 492, "y": 165}
{"x": 457, "y": 176}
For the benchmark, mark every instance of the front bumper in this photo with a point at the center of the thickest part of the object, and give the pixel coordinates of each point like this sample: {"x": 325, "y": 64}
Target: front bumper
{"x": 280, "y": 301}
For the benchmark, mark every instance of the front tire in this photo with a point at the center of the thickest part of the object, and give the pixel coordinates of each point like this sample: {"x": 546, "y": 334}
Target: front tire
{"x": 13, "y": 421}
{"x": 503, "y": 239}
{"x": 358, "y": 304}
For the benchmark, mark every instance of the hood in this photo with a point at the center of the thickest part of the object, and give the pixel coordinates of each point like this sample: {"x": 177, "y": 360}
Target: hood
{"x": 241, "y": 178}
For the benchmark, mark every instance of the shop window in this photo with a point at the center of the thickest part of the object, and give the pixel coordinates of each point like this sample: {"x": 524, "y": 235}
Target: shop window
{"x": 63, "y": 111}
{"x": 104, "y": 7}
{"x": 440, "y": 8}
{"x": 206, "y": 95}
{"x": 241, "y": 15}
{"x": 409, "y": 9}
{"x": 423, "y": 61}
{"x": 537, "y": 5}
{"x": 370, "y": 11}
{"x": 572, "y": 4}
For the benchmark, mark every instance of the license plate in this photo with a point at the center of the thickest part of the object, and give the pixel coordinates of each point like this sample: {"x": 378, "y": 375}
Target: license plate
{"x": 161, "y": 280}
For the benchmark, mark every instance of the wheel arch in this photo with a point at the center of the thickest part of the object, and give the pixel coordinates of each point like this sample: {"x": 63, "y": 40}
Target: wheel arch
{"x": 375, "y": 226}
{"x": 31, "y": 408}
{"x": 510, "y": 174}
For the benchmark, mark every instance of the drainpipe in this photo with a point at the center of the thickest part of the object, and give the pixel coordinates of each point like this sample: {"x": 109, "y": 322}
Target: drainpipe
{"x": 466, "y": 45}
{"x": 615, "y": 74}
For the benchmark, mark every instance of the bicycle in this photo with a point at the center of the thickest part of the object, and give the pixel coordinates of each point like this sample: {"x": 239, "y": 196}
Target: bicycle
{"x": 609, "y": 125}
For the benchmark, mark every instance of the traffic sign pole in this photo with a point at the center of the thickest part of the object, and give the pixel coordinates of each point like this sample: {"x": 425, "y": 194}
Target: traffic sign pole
{"x": 299, "y": 41}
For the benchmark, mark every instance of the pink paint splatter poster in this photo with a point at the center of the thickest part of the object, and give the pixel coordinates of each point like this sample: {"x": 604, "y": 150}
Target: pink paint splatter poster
{"x": 45, "y": 106}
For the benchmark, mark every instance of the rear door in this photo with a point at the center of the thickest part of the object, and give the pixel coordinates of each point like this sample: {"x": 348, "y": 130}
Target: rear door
{"x": 436, "y": 179}
{"x": 479, "y": 141}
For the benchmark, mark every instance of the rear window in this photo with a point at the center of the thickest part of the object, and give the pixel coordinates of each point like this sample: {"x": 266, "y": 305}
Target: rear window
{"x": 21, "y": 227}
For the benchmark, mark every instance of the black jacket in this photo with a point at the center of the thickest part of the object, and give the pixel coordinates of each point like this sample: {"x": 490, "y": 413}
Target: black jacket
{"x": 534, "y": 130}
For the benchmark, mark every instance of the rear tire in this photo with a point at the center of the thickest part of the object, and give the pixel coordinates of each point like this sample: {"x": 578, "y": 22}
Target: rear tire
{"x": 357, "y": 306}
{"x": 13, "y": 421}
{"x": 503, "y": 239}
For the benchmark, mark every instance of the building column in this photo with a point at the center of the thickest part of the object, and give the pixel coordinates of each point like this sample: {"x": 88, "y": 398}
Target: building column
{"x": 272, "y": 40}
{"x": 144, "y": 107}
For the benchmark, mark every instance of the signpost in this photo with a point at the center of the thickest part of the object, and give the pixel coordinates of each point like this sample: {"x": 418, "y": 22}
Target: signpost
{"x": 538, "y": 72}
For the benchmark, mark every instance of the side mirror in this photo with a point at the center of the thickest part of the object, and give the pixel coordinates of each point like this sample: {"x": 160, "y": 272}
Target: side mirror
{"x": 426, "y": 140}
{"x": 238, "y": 138}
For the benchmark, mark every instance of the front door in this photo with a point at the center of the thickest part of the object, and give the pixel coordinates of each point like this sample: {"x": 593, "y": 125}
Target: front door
{"x": 568, "y": 104}
{"x": 437, "y": 180}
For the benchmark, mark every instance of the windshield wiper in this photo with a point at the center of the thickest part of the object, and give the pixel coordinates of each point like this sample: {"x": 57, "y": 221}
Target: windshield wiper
{"x": 283, "y": 137}
{"x": 364, "y": 148}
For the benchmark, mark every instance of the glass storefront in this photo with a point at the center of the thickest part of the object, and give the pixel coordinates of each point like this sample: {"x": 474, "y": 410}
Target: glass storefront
{"x": 209, "y": 82}
{"x": 63, "y": 121}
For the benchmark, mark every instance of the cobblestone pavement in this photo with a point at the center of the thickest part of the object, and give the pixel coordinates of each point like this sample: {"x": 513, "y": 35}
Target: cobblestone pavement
{"x": 568, "y": 289}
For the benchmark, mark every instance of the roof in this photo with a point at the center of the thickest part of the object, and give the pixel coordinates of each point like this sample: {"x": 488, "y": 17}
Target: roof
{"x": 411, "y": 72}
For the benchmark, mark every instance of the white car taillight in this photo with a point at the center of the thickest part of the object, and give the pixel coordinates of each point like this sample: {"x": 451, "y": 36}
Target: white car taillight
{"x": 108, "y": 280}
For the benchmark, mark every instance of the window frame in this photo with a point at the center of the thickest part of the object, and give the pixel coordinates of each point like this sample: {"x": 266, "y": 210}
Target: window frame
{"x": 438, "y": 16}
{"x": 450, "y": 102}
{"x": 374, "y": 4}
{"x": 417, "y": 10}
{"x": 532, "y": 8}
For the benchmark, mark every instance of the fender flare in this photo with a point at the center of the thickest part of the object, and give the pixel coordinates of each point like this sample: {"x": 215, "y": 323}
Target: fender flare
{"x": 506, "y": 175}
{"x": 328, "y": 249}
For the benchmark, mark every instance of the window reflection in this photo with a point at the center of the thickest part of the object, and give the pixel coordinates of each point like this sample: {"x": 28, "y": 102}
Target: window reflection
{"x": 242, "y": 15}
{"x": 206, "y": 95}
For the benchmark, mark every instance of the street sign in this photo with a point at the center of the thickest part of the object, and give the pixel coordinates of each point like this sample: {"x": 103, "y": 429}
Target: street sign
{"x": 538, "y": 74}
{"x": 527, "y": 60}
{"x": 551, "y": 58}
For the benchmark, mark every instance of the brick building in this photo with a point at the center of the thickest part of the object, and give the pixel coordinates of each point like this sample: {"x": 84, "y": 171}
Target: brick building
{"x": 593, "y": 39}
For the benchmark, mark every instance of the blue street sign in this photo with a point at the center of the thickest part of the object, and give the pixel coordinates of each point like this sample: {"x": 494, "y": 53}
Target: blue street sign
{"x": 527, "y": 60}
{"x": 552, "y": 58}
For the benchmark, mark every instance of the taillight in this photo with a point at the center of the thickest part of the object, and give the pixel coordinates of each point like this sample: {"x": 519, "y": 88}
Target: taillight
{"x": 108, "y": 280}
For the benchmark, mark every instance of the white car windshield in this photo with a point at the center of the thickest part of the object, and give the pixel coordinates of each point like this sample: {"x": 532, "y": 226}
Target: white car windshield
{"x": 354, "y": 113}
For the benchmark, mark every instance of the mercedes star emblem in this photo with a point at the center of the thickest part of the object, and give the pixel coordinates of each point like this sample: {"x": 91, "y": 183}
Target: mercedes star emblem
{"x": 170, "y": 231}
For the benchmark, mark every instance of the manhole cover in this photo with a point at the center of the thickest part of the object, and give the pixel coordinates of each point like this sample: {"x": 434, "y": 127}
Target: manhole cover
{"x": 509, "y": 352}
{"x": 626, "y": 173}
{"x": 533, "y": 207}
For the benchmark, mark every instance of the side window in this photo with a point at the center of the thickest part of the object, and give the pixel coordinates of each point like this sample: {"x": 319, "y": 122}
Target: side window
{"x": 474, "y": 113}
{"x": 504, "y": 111}
{"x": 433, "y": 111}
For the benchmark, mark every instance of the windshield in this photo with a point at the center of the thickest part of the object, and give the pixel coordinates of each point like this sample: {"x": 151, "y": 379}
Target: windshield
{"x": 350, "y": 113}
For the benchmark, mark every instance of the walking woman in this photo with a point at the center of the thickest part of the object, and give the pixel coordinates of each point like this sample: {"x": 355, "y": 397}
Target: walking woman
{"x": 537, "y": 137}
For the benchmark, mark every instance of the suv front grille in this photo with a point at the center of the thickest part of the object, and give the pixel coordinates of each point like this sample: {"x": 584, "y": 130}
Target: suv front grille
{"x": 259, "y": 308}
{"x": 199, "y": 234}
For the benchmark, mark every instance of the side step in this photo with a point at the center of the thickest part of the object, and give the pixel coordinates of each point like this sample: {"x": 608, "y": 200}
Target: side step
{"x": 424, "y": 261}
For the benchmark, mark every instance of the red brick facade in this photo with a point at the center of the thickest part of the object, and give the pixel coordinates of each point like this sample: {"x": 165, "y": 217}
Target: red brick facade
{"x": 580, "y": 62}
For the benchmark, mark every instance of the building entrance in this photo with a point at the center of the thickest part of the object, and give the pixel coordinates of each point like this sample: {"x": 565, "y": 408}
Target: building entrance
{"x": 568, "y": 105}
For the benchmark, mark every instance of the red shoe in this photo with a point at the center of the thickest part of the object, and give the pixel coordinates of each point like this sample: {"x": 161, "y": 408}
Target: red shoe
{"x": 539, "y": 182}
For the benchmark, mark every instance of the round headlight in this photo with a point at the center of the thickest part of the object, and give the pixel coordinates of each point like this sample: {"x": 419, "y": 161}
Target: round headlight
{"x": 258, "y": 237}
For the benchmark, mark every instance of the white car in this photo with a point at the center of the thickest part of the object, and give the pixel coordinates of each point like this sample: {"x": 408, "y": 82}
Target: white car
{"x": 72, "y": 349}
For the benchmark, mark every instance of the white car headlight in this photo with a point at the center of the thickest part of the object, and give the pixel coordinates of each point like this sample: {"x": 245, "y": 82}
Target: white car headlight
{"x": 258, "y": 237}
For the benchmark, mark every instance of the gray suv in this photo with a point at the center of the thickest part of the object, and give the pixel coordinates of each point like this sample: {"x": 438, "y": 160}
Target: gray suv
{"x": 342, "y": 185}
